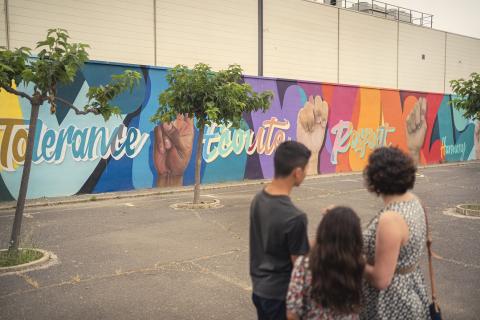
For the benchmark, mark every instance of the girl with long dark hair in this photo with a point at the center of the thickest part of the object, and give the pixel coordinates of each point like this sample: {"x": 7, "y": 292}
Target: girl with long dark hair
{"x": 327, "y": 284}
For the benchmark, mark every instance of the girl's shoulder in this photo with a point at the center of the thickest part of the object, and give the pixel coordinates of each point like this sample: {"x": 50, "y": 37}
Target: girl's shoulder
{"x": 301, "y": 263}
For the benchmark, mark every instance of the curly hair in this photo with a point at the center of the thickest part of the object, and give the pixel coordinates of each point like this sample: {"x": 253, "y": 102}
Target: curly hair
{"x": 336, "y": 261}
{"x": 389, "y": 171}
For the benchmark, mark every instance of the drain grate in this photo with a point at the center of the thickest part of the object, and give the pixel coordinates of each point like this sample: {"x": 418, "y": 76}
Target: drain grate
{"x": 204, "y": 204}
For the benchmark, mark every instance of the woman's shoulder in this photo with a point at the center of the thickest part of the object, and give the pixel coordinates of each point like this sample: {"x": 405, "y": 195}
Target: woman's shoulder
{"x": 392, "y": 224}
{"x": 390, "y": 215}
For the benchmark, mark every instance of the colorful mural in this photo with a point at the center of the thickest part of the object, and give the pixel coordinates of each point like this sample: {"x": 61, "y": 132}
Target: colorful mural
{"x": 340, "y": 124}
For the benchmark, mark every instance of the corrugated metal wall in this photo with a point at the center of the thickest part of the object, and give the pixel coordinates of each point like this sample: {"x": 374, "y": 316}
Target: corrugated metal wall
{"x": 463, "y": 57}
{"x": 116, "y": 30}
{"x": 302, "y": 40}
{"x": 368, "y": 50}
{"x": 421, "y": 58}
{"x": 217, "y": 32}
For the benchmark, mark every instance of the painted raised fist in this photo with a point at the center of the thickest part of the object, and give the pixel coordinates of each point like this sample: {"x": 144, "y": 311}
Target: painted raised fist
{"x": 311, "y": 126}
{"x": 416, "y": 125}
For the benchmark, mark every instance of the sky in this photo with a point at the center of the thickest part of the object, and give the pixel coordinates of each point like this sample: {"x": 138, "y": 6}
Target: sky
{"x": 456, "y": 16}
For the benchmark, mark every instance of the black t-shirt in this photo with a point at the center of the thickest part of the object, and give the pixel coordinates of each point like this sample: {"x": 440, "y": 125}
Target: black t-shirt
{"x": 277, "y": 230}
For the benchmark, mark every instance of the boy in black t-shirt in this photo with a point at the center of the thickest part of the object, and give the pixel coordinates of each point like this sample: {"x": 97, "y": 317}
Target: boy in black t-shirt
{"x": 278, "y": 232}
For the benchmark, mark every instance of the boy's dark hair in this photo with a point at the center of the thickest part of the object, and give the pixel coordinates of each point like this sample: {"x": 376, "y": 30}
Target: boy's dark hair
{"x": 389, "y": 171}
{"x": 288, "y": 156}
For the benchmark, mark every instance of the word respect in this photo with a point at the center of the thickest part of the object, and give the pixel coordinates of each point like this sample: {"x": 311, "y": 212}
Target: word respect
{"x": 358, "y": 140}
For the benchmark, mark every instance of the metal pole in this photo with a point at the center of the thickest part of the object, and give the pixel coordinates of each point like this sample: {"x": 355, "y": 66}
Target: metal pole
{"x": 155, "y": 32}
{"x": 410, "y": 16}
{"x": 7, "y": 24}
{"x": 260, "y": 37}
{"x": 338, "y": 45}
{"x": 445, "y": 65}
{"x": 398, "y": 47}
{"x": 422, "y": 19}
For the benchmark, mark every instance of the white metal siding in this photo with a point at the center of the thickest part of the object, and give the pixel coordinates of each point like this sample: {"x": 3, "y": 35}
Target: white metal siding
{"x": 368, "y": 50}
{"x": 216, "y": 32}
{"x": 116, "y": 30}
{"x": 463, "y": 58}
{"x": 300, "y": 40}
{"x": 414, "y": 73}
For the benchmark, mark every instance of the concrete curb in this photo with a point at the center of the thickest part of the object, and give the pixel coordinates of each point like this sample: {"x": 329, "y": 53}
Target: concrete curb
{"x": 466, "y": 210}
{"x": 45, "y": 202}
{"x": 20, "y": 267}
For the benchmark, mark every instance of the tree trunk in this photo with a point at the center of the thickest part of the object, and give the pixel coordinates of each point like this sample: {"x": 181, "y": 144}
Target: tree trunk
{"x": 198, "y": 164}
{"x": 22, "y": 194}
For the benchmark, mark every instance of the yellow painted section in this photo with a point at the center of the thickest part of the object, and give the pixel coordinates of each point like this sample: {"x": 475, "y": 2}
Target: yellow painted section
{"x": 370, "y": 115}
{"x": 10, "y": 105}
{"x": 9, "y": 109}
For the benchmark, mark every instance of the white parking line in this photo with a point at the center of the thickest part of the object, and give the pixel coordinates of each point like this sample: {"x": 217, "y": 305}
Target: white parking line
{"x": 25, "y": 215}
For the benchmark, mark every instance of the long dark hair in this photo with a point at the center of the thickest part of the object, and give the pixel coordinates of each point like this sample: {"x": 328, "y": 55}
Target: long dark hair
{"x": 336, "y": 261}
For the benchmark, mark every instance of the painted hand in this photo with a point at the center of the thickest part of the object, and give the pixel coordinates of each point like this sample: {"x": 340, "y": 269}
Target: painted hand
{"x": 416, "y": 128}
{"x": 476, "y": 139}
{"x": 311, "y": 127}
{"x": 172, "y": 150}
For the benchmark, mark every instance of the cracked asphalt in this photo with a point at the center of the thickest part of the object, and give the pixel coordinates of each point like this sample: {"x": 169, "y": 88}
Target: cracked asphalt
{"x": 136, "y": 258}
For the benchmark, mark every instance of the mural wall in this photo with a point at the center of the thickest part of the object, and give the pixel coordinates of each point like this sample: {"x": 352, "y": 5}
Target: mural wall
{"x": 340, "y": 124}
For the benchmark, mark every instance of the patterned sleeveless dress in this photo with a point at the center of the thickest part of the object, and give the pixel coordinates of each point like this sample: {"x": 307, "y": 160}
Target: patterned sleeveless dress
{"x": 406, "y": 298}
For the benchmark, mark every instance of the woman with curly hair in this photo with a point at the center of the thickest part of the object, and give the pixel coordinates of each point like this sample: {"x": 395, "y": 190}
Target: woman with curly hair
{"x": 394, "y": 241}
{"x": 327, "y": 284}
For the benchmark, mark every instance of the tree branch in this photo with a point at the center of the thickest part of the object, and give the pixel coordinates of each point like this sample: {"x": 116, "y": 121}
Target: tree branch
{"x": 18, "y": 93}
{"x": 77, "y": 111}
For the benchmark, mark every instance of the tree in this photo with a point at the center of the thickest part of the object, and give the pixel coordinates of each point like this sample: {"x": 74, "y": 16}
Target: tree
{"x": 57, "y": 63}
{"x": 467, "y": 96}
{"x": 209, "y": 98}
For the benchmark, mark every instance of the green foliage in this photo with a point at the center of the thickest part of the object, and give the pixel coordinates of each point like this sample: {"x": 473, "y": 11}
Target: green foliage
{"x": 467, "y": 96}
{"x": 13, "y": 65}
{"x": 99, "y": 97}
{"x": 58, "y": 62}
{"x": 211, "y": 97}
